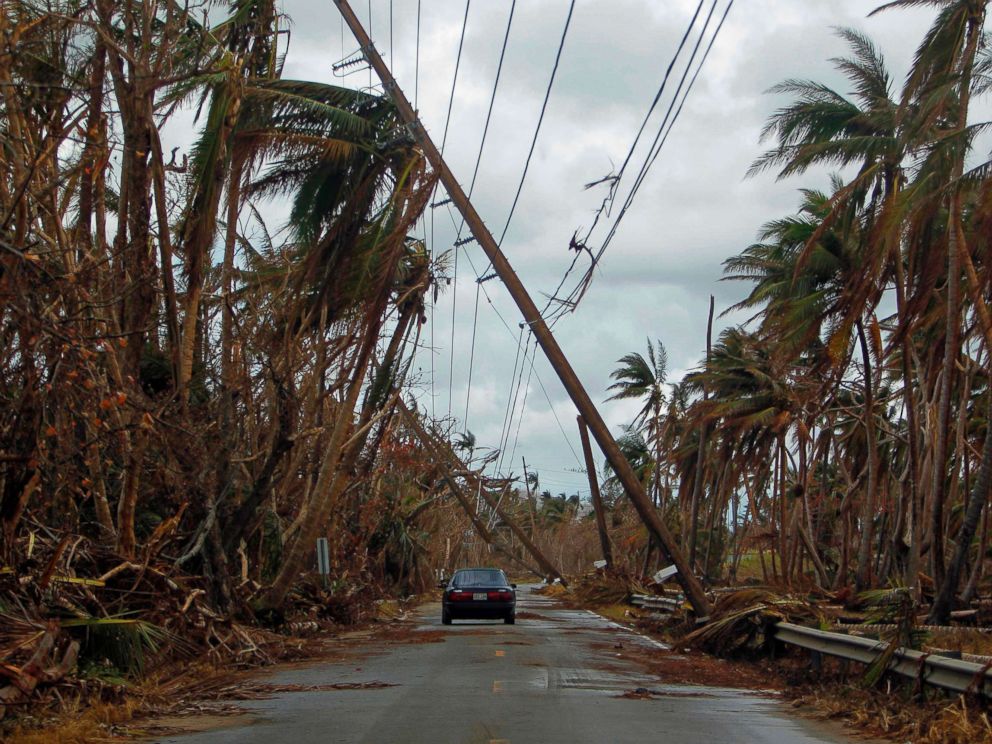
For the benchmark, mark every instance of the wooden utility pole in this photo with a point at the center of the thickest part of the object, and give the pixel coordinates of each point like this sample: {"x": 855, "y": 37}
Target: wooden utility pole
{"x": 442, "y": 457}
{"x": 546, "y": 565}
{"x": 635, "y": 491}
{"x": 531, "y": 507}
{"x": 597, "y": 501}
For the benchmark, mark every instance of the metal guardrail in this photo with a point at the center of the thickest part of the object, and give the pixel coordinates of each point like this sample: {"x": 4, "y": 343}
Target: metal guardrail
{"x": 949, "y": 674}
{"x": 663, "y": 604}
{"x": 879, "y": 627}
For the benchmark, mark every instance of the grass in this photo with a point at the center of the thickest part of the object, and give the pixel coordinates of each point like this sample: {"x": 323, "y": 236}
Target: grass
{"x": 87, "y": 723}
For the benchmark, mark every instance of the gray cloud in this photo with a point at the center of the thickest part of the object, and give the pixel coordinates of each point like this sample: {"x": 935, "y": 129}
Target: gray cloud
{"x": 694, "y": 210}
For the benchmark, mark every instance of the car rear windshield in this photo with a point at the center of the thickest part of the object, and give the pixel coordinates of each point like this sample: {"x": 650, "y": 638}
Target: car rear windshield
{"x": 480, "y": 577}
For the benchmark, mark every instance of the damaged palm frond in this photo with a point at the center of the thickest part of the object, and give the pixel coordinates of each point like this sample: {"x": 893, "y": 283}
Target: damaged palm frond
{"x": 740, "y": 620}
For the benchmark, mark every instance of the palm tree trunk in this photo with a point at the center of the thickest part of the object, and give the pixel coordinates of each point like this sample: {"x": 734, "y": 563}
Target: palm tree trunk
{"x": 941, "y": 448}
{"x": 697, "y": 487}
{"x": 863, "y": 576}
{"x": 942, "y": 605}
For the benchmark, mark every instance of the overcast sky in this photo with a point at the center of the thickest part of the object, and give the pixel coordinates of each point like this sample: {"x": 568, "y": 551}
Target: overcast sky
{"x": 694, "y": 210}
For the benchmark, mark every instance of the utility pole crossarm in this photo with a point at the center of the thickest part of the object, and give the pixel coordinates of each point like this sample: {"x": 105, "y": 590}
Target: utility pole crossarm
{"x": 635, "y": 491}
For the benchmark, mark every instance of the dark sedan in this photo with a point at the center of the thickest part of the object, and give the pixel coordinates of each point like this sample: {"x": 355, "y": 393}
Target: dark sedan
{"x": 479, "y": 593}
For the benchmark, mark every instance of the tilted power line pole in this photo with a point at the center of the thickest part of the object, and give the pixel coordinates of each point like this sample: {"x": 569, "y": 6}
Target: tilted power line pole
{"x": 635, "y": 491}
{"x": 443, "y": 457}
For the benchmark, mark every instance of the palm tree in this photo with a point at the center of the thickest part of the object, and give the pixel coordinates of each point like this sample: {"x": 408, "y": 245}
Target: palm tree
{"x": 943, "y": 76}
{"x": 643, "y": 378}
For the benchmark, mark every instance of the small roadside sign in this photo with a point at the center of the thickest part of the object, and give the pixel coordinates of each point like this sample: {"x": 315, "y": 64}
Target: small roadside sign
{"x": 664, "y": 574}
{"x": 323, "y": 557}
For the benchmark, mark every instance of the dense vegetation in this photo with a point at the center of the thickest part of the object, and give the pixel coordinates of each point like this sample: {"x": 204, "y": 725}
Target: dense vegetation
{"x": 842, "y": 433}
{"x": 176, "y": 376}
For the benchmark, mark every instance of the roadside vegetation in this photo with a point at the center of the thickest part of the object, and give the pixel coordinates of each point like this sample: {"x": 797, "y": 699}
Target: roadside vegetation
{"x": 839, "y": 438}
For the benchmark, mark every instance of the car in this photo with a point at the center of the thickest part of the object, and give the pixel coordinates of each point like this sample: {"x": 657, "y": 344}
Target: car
{"x": 479, "y": 593}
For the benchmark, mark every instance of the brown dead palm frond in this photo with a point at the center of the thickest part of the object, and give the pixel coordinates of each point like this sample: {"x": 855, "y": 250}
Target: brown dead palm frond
{"x": 739, "y": 620}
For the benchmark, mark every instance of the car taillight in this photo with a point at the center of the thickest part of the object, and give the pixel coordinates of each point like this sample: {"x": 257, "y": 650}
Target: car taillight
{"x": 500, "y": 596}
{"x": 457, "y": 596}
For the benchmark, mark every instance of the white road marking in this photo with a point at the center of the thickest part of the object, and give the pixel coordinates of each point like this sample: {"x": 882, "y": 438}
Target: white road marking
{"x": 618, "y": 626}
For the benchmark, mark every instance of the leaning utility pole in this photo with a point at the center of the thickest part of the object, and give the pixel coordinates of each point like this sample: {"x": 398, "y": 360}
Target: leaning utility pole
{"x": 635, "y": 491}
{"x": 550, "y": 571}
{"x": 443, "y": 455}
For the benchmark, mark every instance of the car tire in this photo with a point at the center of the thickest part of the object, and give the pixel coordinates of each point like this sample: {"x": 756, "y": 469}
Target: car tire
{"x": 445, "y": 618}
{"x": 510, "y": 619}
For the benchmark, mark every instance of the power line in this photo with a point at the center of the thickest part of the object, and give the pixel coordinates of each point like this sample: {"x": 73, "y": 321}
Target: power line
{"x": 509, "y": 330}
{"x": 513, "y": 375}
{"x": 511, "y": 404}
{"x": 540, "y": 120}
{"x": 569, "y": 303}
{"x": 416, "y": 66}
{"x": 454, "y": 80}
{"x": 616, "y": 179}
{"x": 444, "y": 142}
{"x": 471, "y": 356}
{"x": 523, "y": 406}
{"x": 475, "y": 174}
{"x": 656, "y": 145}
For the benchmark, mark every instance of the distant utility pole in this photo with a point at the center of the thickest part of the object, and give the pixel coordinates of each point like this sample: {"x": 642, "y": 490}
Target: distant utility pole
{"x": 635, "y": 491}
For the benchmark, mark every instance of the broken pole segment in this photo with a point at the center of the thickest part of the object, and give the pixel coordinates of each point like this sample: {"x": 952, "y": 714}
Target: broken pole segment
{"x": 625, "y": 473}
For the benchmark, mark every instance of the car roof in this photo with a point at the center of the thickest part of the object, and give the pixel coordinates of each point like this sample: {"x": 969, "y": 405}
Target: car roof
{"x": 480, "y": 568}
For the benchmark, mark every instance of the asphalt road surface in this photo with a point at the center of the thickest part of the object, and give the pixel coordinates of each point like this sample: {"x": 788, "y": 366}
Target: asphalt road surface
{"x": 548, "y": 680}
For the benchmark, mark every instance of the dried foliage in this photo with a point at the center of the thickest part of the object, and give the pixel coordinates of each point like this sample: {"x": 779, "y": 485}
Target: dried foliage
{"x": 937, "y": 721}
{"x": 740, "y": 620}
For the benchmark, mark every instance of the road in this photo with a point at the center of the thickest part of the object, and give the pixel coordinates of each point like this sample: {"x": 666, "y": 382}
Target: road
{"x": 546, "y": 680}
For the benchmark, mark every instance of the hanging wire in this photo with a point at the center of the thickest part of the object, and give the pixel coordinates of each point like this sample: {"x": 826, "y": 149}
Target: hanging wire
{"x": 444, "y": 142}
{"x": 471, "y": 189}
{"x": 568, "y": 304}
